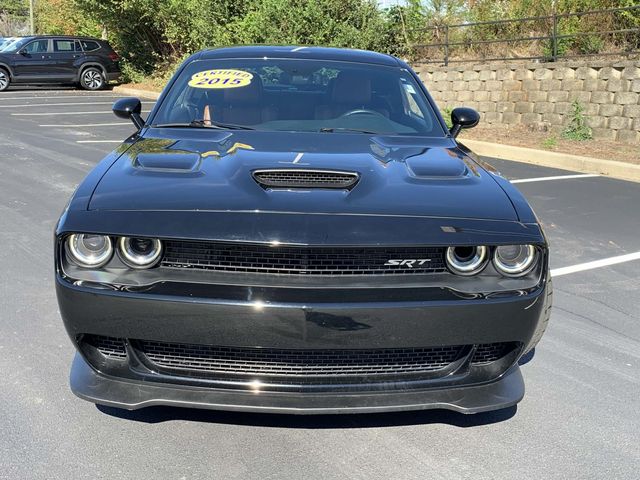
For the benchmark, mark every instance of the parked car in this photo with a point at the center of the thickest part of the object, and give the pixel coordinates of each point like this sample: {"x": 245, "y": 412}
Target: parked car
{"x": 295, "y": 229}
{"x": 89, "y": 62}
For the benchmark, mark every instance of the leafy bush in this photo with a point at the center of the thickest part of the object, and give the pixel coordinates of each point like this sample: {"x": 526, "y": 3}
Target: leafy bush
{"x": 152, "y": 34}
{"x": 590, "y": 44}
{"x": 577, "y": 128}
{"x": 130, "y": 74}
{"x": 62, "y": 17}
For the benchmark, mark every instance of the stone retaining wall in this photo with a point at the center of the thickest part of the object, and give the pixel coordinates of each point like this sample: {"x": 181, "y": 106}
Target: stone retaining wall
{"x": 541, "y": 94}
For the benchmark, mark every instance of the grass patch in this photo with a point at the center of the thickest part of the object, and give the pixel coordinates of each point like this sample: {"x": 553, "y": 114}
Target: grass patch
{"x": 550, "y": 143}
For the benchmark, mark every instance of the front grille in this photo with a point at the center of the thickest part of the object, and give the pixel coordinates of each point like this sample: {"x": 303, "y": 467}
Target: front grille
{"x": 287, "y": 362}
{"x": 290, "y": 260}
{"x": 490, "y": 352}
{"x": 110, "y": 347}
{"x": 300, "y": 178}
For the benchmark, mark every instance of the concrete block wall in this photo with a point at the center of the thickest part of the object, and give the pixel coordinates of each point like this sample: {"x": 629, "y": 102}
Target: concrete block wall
{"x": 541, "y": 94}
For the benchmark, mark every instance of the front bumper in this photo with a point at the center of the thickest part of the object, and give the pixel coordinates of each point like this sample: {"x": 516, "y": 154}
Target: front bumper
{"x": 326, "y": 323}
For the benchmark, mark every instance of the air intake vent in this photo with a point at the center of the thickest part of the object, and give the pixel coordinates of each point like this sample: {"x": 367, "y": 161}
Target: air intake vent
{"x": 490, "y": 352}
{"x": 110, "y": 347}
{"x": 301, "y": 178}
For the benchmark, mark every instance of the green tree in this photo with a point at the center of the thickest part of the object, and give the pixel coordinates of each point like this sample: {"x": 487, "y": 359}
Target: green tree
{"x": 63, "y": 17}
{"x": 340, "y": 23}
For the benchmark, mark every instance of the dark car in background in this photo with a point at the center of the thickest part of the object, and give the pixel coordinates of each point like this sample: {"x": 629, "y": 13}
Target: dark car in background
{"x": 295, "y": 229}
{"x": 36, "y": 60}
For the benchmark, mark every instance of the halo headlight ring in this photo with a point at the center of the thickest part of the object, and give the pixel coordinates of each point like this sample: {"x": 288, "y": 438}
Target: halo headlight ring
{"x": 133, "y": 256}
{"x": 519, "y": 263}
{"x": 88, "y": 250}
{"x": 468, "y": 260}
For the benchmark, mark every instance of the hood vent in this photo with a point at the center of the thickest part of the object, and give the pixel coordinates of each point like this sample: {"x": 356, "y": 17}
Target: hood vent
{"x": 304, "y": 178}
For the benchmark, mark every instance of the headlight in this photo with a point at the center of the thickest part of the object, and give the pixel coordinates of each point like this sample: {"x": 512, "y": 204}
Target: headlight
{"x": 139, "y": 252}
{"x": 467, "y": 260}
{"x": 89, "y": 251}
{"x": 515, "y": 260}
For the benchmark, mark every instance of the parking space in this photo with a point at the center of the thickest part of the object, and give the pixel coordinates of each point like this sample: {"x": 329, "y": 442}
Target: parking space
{"x": 66, "y": 115}
{"x": 579, "y": 418}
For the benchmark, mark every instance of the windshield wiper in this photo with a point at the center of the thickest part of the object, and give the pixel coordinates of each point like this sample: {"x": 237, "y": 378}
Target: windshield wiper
{"x": 342, "y": 129}
{"x": 203, "y": 124}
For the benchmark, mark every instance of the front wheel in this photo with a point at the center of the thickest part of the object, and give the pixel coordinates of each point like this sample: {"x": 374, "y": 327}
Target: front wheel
{"x": 5, "y": 80}
{"x": 92, "y": 79}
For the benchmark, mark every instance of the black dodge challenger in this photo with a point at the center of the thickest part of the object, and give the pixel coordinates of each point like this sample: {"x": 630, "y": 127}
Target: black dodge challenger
{"x": 294, "y": 229}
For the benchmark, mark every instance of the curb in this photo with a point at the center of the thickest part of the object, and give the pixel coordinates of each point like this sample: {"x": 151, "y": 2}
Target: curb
{"x": 134, "y": 92}
{"x": 565, "y": 161}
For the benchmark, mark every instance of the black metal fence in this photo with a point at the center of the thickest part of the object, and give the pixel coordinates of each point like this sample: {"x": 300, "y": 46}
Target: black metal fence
{"x": 552, "y": 37}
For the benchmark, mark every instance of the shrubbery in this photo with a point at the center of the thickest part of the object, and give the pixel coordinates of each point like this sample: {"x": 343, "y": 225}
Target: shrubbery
{"x": 152, "y": 35}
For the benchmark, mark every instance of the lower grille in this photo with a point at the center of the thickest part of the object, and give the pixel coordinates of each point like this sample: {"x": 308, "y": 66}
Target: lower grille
{"x": 294, "y": 260}
{"x": 269, "y": 361}
{"x": 490, "y": 352}
{"x": 206, "y": 360}
{"x": 110, "y": 347}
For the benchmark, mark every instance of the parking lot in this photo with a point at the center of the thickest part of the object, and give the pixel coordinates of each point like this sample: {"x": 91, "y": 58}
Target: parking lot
{"x": 580, "y": 417}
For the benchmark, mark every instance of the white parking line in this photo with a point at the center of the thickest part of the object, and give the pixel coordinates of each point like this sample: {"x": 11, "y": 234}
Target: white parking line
{"x": 20, "y": 105}
{"x": 98, "y": 141}
{"x": 38, "y": 97}
{"x": 68, "y": 125}
{"x": 605, "y": 262}
{"x": 557, "y": 177}
{"x": 65, "y": 113}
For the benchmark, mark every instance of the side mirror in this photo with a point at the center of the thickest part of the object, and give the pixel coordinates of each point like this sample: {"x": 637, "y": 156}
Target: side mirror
{"x": 23, "y": 52}
{"x": 463, "y": 117}
{"x": 129, "y": 108}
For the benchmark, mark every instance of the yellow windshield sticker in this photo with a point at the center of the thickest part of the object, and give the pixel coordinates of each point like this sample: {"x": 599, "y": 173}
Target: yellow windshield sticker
{"x": 220, "y": 78}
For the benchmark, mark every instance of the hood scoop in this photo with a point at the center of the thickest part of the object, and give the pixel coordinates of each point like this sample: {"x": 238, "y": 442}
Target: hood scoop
{"x": 167, "y": 162}
{"x": 285, "y": 178}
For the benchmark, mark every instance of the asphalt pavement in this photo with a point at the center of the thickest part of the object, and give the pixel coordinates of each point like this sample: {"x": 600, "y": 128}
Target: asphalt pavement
{"x": 580, "y": 417}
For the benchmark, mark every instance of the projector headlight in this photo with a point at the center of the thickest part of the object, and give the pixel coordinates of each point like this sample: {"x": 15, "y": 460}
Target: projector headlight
{"x": 139, "y": 252}
{"x": 515, "y": 260}
{"x": 467, "y": 260}
{"x": 88, "y": 250}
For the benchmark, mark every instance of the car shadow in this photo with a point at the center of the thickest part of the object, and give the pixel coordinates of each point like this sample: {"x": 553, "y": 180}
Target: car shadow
{"x": 371, "y": 420}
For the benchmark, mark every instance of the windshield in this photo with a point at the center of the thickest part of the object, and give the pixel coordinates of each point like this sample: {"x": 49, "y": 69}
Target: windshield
{"x": 298, "y": 95}
{"x": 15, "y": 45}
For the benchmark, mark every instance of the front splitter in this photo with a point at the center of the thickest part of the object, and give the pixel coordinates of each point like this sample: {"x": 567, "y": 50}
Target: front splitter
{"x": 90, "y": 385}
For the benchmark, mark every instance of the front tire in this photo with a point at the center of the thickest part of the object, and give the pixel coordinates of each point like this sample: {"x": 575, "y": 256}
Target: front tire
{"x": 5, "y": 80}
{"x": 92, "y": 78}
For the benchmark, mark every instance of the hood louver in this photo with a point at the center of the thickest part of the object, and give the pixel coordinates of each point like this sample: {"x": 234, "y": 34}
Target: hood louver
{"x": 303, "y": 178}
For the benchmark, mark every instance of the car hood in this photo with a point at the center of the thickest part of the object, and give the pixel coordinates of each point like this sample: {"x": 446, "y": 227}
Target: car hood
{"x": 206, "y": 170}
